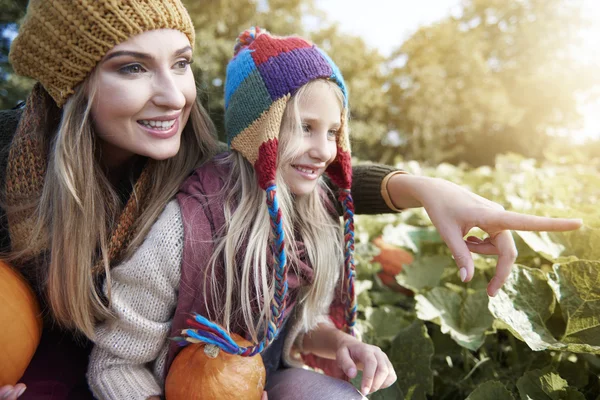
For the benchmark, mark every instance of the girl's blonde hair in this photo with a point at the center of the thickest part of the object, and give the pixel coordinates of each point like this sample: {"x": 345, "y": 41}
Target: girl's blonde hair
{"x": 243, "y": 249}
{"x": 78, "y": 207}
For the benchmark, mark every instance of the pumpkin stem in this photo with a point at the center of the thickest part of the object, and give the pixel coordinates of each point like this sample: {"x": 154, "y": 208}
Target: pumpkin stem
{"x": 211, "y": 350}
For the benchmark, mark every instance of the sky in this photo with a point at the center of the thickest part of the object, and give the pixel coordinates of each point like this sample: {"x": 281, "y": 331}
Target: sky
{"x": 385, "y": 24}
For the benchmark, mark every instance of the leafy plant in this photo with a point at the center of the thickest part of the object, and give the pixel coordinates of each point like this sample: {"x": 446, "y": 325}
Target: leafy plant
{"x": 539, "y": 338}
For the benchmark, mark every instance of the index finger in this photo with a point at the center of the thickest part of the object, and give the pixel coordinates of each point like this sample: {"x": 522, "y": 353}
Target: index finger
{"x": 510, "y": 220}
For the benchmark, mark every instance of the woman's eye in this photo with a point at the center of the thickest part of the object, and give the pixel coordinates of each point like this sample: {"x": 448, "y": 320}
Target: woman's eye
{"x": 305, "y": 128}
{"x": 182, "y": 64}
{"x": 132, "y": 69}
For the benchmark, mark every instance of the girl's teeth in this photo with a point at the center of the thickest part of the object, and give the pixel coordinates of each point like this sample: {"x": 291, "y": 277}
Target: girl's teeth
{"x": 308, "y": 171}
{"x": 160, "y": 125}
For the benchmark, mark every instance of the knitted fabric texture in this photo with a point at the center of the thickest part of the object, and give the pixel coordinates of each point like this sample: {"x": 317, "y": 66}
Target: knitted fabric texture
{"x": 61, "y": 41}
{"x": 264, "y": 73}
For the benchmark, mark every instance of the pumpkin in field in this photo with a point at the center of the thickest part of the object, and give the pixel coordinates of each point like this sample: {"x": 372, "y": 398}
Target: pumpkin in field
{"x": 203, "y": 371}
{"x": 390, "y": 282}
{"x": 21, "y": 324}
{"x": 391, "y": 258}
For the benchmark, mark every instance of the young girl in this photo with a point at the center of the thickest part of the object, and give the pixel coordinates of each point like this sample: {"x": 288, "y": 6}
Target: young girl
{"x": 255, "y": 267}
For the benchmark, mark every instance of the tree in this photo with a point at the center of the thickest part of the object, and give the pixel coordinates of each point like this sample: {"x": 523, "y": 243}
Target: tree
{"x": 366, "y": 81}
{"x": 13, "y": 88}
{"x": 498, "y": 78}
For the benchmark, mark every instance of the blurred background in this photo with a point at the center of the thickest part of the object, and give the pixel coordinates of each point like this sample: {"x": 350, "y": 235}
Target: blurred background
{"x": 434, "y": 80}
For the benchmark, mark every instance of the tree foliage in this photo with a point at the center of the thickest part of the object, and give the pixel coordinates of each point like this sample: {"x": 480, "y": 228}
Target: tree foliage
{"x": 497, "y": 78}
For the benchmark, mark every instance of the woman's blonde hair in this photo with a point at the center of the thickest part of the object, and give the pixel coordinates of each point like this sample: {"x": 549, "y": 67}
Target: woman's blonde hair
{"x": 243, "y": 249}
{"x": 78, "y": 207}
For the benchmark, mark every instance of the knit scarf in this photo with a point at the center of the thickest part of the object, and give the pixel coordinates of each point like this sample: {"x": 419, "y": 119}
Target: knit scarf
{"x": 27, "y": 164}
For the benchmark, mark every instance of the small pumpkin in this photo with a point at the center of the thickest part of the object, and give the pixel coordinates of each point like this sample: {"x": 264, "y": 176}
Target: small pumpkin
{"x": 390, "y": 282}
{"x": 21, "y": 323}
{"x": 203, "y": 371}
{"x": 391, "y": 258}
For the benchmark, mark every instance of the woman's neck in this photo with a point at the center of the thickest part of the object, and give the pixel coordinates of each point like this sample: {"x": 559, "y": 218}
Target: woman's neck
{"x": 122, "y": 175}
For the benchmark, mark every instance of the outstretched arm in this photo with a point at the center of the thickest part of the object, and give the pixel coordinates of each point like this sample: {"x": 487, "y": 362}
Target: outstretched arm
{"x": 454, "y": 211}
{"x": 367, "y": 184}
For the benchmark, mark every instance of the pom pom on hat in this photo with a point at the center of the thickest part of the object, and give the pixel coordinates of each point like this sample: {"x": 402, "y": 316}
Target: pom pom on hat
{"x": 246, "y": 38}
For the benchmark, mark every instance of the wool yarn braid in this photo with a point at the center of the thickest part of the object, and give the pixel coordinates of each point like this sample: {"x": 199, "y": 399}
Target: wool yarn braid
{"x": 345, "y": 199}
{"x": 206, "y": 331}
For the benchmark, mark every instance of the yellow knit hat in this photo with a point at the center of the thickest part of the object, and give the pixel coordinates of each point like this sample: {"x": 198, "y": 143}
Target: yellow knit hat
{"x": 61, "y": 41}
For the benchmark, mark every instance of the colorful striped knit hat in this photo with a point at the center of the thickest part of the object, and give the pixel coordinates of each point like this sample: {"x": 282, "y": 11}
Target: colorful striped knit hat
{"x": 264, "y": 73}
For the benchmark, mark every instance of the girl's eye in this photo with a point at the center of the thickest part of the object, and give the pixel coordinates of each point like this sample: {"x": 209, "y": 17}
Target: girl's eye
{"x": 305, "y": 128}
{"x": 332, "y": 134}
{"x": 183, "y": 64}
{"x": 132, "y": 69}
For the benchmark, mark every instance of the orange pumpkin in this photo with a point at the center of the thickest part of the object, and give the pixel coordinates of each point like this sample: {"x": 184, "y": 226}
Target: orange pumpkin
{"x": 21, "y": 323}
{"x": 206, "y": 372}
{"x": 390, "y": 282}
{"x": 391, "y": 258}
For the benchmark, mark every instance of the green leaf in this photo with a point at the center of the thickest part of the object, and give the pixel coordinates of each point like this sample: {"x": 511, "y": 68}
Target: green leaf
{"x": 410, "y": 237}
{"x": 583, "y": 243}
{"x": 464, "y": 314}
{"x": 364, "y": 253}
{"x": 575, "y": 369}
{"x": 387, "y": 321}
{"x": 362, "y": 294}
{"x": 573, "y": 394}
{"x": 491, "y": 390}
{"x": 485, "y": 268}
{"x": 528, "y": 299}
{"x": 364, "y": 301}
{"x": 390, "y": 393}
{"x": 410, "y": 355}
{"x": 541, "y": 243}
{"x": 524, "y": 304}
{"x": 546, "y": 384}
{"x": 423, "y": 273}
{"x": 576, "y": 286}
{"x": 387, "y": 297}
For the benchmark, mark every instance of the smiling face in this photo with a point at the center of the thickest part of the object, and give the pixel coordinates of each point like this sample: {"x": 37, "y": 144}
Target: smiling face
{"x": 144, "y": 91}
{"x": 319, "y": 111}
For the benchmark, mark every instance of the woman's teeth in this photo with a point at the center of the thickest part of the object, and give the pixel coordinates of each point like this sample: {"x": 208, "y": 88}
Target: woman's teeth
{"x": 159, "y": 125}
{"x": 305, "y": 170}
